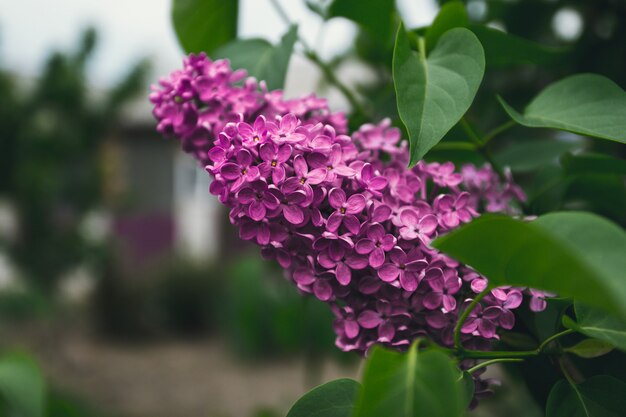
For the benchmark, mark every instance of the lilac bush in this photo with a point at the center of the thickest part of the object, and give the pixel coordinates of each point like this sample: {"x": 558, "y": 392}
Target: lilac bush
{"x": 349, "y": 229}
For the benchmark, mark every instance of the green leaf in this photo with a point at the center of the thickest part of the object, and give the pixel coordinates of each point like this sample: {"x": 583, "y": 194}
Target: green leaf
{"x": 22, "y": 385}
{"x": 333, "y": 399}
{"x": 452, "y": 15}
{"x": 434, "y": 93}
{"x": 586, "y": 104}
{"x": 375, "y": 16}
{"x": 590, "y": 348}
{"x": 574, "y": 254}
{"x": 599, "y": 396}
{"x": 599, "y": 325}
{"x": 204, "y": 25}
{"x": 531, "y": 155}
{"x": 260, "y": 58}
{"x": 503, "y": 49}
{"x": 593, "y": 164}
{"x": 412, "y": 384}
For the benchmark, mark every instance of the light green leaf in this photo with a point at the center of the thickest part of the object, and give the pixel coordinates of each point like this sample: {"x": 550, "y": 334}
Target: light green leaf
{"x": 593, "y": 164}
{"x": 599, "y": 396}
{"x": 412, "y": 384}
{"x": 204, "y": 25}
{"x": 333, "y": 399}
{"x": 503, "y": 49}
{"x": 574, "y": 254}
{"x": 586, "y": 104}
{"x": 590, "y": 348}
{"x": 434, "y": 93}
{"x": 260, "y": 58}
{"x": 531, "y": 155}
{"x": 599, "y": 325}
{"x": 22, "y": 385}
{"x": 452, "y": 15}
{"x": 375, "y": 16}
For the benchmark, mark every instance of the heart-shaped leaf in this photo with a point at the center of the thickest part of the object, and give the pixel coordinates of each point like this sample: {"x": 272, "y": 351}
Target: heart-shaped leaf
{"x": 333, "y": 399}
{"x": 599, "y": 325}
{"x": 587, "y": 104}
{"x": 574, "y": 254}
{"x": 433, "y": 93}
{"x": 452, "y": 15}
{"x": 412, "y": 384}
{"x": 599, "y": 396}
{"x": 260, "y": 58}
{"x": 204, "y": 25}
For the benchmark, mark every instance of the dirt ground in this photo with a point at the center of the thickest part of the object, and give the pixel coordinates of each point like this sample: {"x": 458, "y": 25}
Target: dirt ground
{"x": 168, "y": 378}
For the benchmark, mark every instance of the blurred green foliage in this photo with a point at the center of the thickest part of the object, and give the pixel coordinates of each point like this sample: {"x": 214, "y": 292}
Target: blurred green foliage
{"x": 50, "y": 158}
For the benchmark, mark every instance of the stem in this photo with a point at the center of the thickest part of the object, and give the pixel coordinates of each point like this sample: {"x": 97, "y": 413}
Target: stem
{"x": 545, "y": 343}
{"x": 281, "y": 11}
{"x": 459, "y": 324}
{"x": 482, "y": 149}
{"x": 421, "y": 47}
{"x": 497, "y": 130}
{"x": 573, "y": 384}
{"x": 333, "y": 80}
{"x": 491, "y": 362}
{"x": 327, "y": 71}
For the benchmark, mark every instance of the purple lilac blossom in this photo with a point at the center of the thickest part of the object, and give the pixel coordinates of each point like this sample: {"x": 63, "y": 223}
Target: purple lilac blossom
{"x": 349, "y": 229}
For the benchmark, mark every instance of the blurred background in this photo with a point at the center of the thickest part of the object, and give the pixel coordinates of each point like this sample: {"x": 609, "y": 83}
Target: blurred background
{"x": 120, "y": 277}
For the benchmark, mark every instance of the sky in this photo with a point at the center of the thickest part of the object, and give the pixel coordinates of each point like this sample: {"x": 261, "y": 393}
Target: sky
{"x": 132, "y": 29}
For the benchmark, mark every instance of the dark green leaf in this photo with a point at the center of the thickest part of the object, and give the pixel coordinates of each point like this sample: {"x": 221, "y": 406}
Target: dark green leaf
{"x": 204, "y": 25}
{"x": 599, "y": 396}
{"x": 452, "y": 15}
{"x": 586, "y": 104}
{"x": 599, "y": 325}
{"x": 503, "y": 49}
{"x": 574, "y": 254}
{"x": 590, "y": 348}
{"x": 333, "y": 399}
{"x": 375, "y": 16}
{"x": 412, "y": 384}
{"x": 593, "y": 164}
{"x": 526, "y": 156}
{"x": 434, "y": 93}
{"x": 22, "y": 385}
{"x": 260, "y": 58}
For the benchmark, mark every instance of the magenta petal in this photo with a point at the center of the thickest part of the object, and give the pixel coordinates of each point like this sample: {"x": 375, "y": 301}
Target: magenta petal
{"x": 432, "y": 300}
{"x": 507, "y": 320}
{"x": 364, "y": 246}
{"x": 343, "y": 170}
{"x": 408, "y": 280}
{"x": 256, "y": 210}
{"x": 352, "y": 223}
{"x": 322, "y": 290}
{"x": 343, "y": 274}
{"x": 351, "y": 328}
{"x": 388, "y": 272}
{"x": 336, "y": 198}
{"x": 470, "y": 325}
{"x": 317, "y": 176}
{"x": 377, "y": 258}
{"x": 334, "y": 221}
{"x": 386, "y": 332}
{"x": 230, "y": 171}
{"x": 428, "y": 224}
{"x": 355, "y": 204}
{"x": 449, "y": 302}
{"x": 303, "y": 276}
{"x": 486, "y": 328}
{"x": 369, "y": 319}
{"x": 267, "y": 151}
{"x": 293, "y": 214}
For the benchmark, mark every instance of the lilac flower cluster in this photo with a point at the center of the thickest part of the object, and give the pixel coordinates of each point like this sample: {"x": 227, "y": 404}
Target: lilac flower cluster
{"x": 348, "y": 228}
